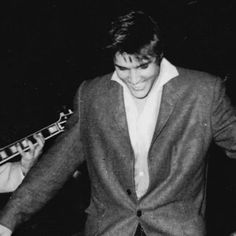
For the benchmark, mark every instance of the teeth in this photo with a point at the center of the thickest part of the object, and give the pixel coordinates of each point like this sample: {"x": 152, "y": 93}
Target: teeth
{"x": 138, "y": 88}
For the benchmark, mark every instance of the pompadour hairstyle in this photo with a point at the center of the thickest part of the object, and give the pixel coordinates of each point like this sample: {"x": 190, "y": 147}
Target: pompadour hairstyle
{"x": 136, "y": 33}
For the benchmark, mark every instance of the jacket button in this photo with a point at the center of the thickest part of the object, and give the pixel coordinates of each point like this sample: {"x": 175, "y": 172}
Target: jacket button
{"x": 128, "y": 191}
{"x": 139, "y": 213}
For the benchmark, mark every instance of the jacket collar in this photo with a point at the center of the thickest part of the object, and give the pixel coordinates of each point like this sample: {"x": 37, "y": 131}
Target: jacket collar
{"x": 169, "y": 99}
{"x": 168, "y": 78}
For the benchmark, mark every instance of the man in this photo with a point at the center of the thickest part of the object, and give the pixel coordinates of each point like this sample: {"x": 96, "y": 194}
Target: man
{"x": 144, "y": 131}
{"x": 12, "y": 173}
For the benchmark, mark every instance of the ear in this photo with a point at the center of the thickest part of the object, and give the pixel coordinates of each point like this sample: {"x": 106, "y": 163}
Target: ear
{"x": 159, "y": 58}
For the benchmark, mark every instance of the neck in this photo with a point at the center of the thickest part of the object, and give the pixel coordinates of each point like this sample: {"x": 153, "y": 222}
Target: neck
{"x": 140, "y": 103}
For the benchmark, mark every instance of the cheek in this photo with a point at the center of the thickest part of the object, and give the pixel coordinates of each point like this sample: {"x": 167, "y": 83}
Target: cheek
{"x": 148, "y": 73}
{"x": 122, "y": 74}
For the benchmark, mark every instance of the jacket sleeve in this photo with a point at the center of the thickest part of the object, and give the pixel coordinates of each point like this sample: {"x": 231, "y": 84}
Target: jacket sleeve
{"x": 223, "y": 118}
{"x": 11, "y": 176}
{"x": 48, "y": 175}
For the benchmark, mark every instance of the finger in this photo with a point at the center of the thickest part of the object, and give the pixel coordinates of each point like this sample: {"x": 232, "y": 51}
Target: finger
{"x": 30, "y": 153}
{"x": 31, "y": 149}
{"x": 39, "y": 145}
{"x": 20, "y": 150}
{"x": 40, "y": 139}
{"x": 35, "y": 150}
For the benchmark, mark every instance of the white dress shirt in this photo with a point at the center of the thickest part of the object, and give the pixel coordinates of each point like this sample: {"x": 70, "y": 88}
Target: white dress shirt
{"x": 11, "y": 176}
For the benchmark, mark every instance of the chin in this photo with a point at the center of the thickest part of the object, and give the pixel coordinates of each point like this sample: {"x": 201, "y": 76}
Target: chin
{"x": 140, "y": 95}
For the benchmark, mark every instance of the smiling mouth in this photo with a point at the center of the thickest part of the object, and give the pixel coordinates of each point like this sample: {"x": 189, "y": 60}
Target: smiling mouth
{"x": 138, "y": 88}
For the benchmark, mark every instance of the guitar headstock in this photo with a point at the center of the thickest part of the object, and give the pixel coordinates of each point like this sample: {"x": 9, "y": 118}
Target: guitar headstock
{"x": 63, "y": 118}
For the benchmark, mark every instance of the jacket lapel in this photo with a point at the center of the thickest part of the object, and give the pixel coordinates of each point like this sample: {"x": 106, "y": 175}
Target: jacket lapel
{"x": 116, "y": 104}
{"x": 117, "y": 108}
{"x": 168, "y": 101}
{"x": 119, "y": 123}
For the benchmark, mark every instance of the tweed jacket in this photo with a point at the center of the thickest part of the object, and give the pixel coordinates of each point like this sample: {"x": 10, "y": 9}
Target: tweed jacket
{"x": 194, "y": 112}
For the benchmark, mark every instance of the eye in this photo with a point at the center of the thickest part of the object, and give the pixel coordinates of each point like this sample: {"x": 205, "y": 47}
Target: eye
{"x": 122, "y": 68}
{"x": 144, "y": 66}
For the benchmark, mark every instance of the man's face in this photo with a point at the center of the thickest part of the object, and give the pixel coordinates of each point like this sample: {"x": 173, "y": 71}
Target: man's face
{"x": 139, "y": 75}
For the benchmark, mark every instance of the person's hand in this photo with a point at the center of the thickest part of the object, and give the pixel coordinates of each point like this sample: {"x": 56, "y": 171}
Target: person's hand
{"x": 31, "y": 156}
{"x": 233, "y": 234}
{"x": 4, "y": 231}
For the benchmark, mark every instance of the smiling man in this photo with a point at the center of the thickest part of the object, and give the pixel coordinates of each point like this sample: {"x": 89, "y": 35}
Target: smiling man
{"x": 144, "y": 131}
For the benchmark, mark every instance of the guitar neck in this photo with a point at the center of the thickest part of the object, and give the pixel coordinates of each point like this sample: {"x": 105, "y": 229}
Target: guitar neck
{"x": 10, "y": 151}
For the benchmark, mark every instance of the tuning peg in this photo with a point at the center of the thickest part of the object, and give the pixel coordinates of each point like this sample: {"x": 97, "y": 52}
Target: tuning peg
{"x": 61, "y": 114}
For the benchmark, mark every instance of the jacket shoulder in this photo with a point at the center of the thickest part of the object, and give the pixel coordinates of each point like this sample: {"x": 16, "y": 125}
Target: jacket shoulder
{"x": 97, "y": 86}
{"x": 198, "y": 78}
{"x": 198, "y": 82}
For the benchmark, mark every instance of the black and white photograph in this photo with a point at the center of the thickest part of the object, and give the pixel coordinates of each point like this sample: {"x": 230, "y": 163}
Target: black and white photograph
{"x": 117, "y": 118}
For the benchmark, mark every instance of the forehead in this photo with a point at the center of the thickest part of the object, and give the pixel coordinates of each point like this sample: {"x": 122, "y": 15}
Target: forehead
{"x": 129, "y": 60}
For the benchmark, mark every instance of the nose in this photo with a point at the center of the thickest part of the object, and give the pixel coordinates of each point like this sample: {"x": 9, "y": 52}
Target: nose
{"x": 133, "y": 77}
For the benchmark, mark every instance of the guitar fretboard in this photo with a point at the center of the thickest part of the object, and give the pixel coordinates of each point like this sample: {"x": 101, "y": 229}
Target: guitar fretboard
{"x": 10, "y": 151}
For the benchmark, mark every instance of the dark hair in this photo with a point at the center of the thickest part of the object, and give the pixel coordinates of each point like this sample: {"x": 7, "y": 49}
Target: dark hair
{"x": 137, "y": 34}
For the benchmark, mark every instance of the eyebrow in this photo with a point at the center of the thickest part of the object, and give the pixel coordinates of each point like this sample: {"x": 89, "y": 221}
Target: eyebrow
{"x": 142, "y": 64}
{"x": 120, "y": 66}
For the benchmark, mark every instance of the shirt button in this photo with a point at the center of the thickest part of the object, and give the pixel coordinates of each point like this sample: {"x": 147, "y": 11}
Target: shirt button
{"x": 139, "y": 213}
{"x": 128, "y": 191}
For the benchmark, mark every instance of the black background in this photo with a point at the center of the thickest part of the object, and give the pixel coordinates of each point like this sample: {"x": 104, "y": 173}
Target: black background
{"x": 49, "y": 47}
